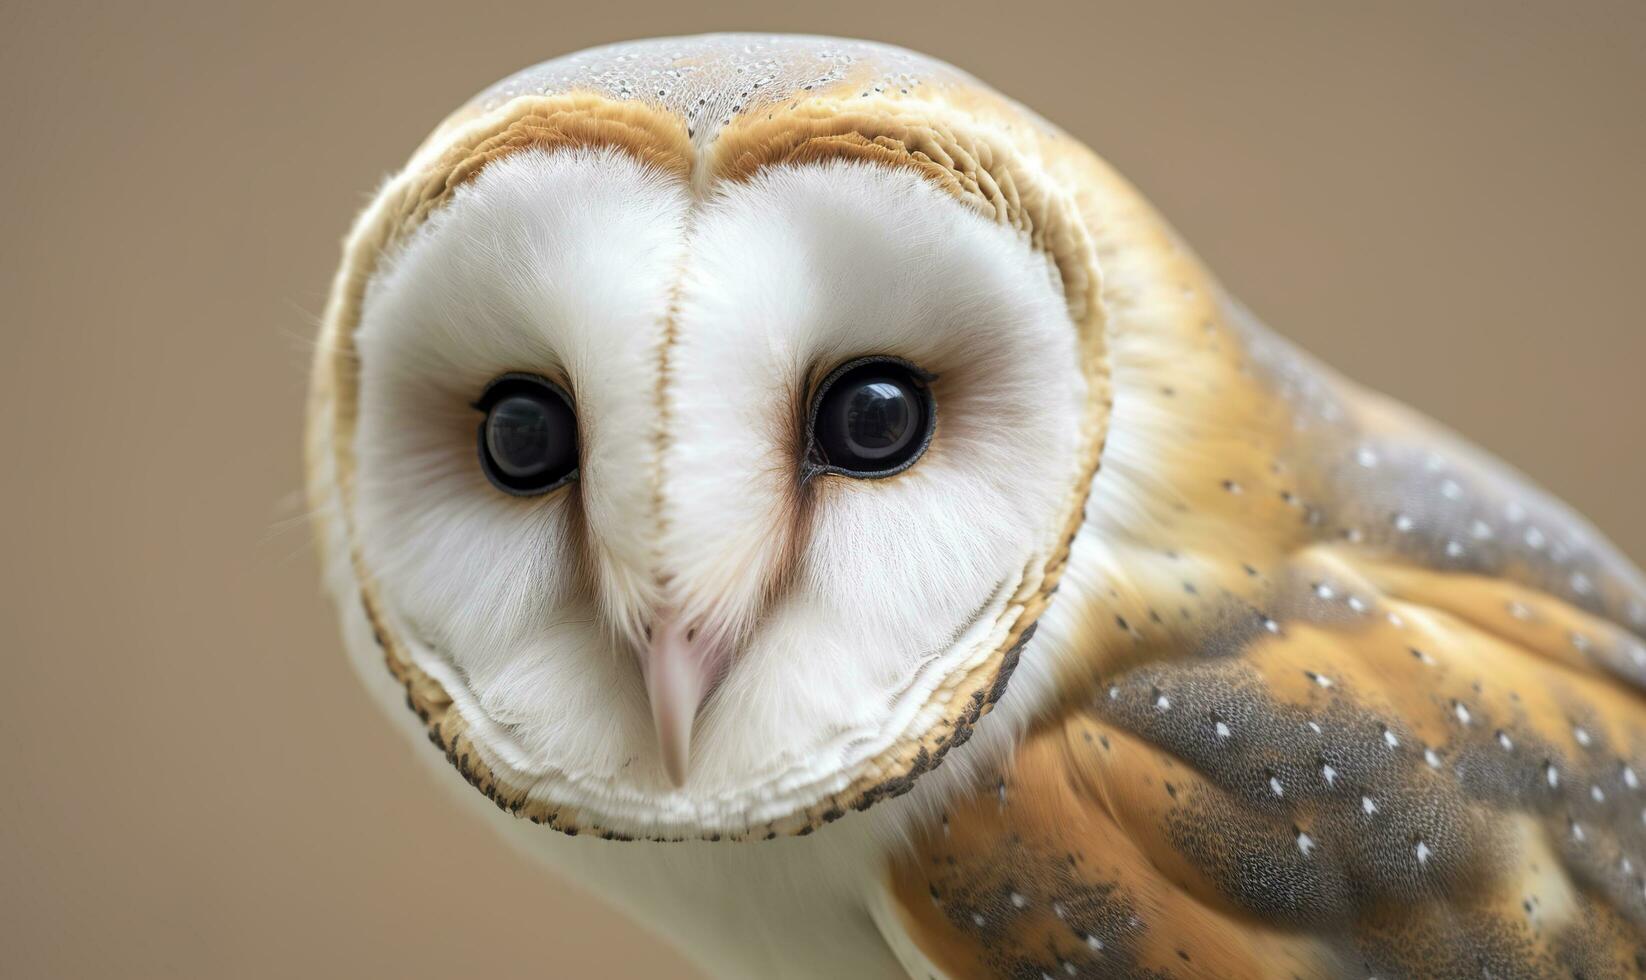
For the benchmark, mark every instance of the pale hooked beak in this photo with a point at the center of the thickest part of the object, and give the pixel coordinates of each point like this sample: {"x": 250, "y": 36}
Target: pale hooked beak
{"x": 680, "y": 665}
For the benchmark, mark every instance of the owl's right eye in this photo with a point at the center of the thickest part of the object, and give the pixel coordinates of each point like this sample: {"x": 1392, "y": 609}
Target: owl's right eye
{"x": 528, "y": 440}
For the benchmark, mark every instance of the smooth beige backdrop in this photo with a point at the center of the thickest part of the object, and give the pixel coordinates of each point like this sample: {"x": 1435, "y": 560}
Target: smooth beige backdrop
{"x": 1444, "y": 199}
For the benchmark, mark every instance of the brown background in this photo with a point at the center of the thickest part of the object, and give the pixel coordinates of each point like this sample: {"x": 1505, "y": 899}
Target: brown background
{"x": 1444, "y": 199}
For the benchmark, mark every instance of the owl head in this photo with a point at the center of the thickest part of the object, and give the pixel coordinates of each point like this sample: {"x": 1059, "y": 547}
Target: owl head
{"x": 700, "y": 426}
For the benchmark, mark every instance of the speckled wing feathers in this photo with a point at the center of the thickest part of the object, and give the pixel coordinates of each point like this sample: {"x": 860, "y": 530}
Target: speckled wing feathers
{"x": 1353, "y": 701}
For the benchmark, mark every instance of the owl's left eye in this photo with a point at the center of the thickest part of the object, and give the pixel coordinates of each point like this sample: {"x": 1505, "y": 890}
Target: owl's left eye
{"x": 528, "y": 440}
{"x": 871, "y": 418}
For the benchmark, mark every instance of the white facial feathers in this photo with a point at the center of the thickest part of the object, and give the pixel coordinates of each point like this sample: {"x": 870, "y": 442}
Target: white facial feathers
{"x": 691, "y": 334}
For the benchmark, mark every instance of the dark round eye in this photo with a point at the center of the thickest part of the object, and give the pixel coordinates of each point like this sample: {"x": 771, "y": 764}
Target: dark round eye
{"x": 871, "y": 417}
{"x": 528, "y": 441}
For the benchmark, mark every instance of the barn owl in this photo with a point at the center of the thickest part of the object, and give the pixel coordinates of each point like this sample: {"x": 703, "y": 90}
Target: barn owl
{"x": 834, "y": 519}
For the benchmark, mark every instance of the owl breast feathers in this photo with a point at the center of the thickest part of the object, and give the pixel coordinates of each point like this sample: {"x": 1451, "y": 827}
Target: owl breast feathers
{"x": 792, "y": 444}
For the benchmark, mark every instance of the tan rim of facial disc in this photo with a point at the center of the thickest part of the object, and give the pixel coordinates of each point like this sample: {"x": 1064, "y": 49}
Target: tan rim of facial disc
{"x": 978, "y": 168}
